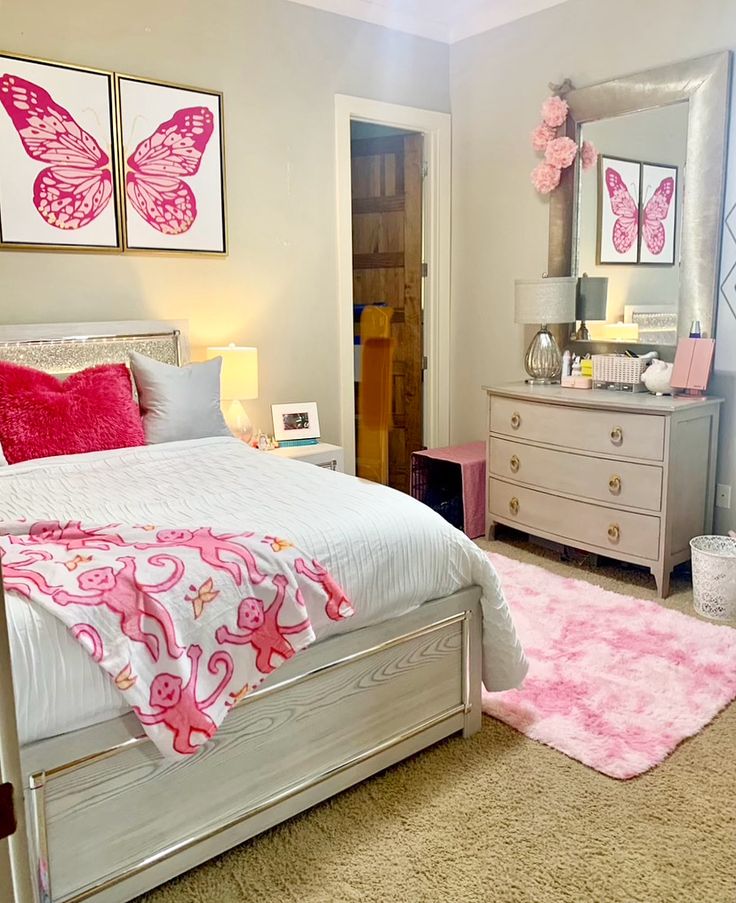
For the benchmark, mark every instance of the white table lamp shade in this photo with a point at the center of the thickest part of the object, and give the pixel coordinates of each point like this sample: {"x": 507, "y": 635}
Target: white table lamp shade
{"x": 550, "y": 300}
{"x": 239, "y": 378}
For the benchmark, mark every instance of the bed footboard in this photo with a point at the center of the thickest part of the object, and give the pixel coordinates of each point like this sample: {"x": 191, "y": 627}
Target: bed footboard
{"x": 111, "y": 818}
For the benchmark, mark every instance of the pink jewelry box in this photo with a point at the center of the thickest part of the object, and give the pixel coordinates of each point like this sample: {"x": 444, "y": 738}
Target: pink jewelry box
{"x": 693, "y": 365}
{"x": 576, "y": 382}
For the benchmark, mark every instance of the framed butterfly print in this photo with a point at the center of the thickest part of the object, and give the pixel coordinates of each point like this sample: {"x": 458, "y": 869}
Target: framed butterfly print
{"x": 658, "y": 233}
{"x": 172, "y": 167}
{"x": 619, "y": 194}
{"x": 58, "y": 178}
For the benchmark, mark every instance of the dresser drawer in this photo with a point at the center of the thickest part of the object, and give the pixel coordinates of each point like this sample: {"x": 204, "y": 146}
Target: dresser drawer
{"x": 605, "y": 432}
{"x": 611, "y": 482}
{"x": 618, "y": 532}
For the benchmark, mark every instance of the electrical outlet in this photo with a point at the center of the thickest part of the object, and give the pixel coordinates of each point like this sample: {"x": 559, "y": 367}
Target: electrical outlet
{"x": 723, "y": 495}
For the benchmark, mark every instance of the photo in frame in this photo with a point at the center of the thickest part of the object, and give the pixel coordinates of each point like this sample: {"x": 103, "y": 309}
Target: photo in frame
{"x": 173, "y": 165}
{"x": 658, "y": 216}
{"x": 295, "y": 423}
{"x": 619, "y": 194}
{"x": 58, "y": 175}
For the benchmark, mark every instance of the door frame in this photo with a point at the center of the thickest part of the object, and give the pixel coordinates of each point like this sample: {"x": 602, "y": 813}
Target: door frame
{"x": 436, "y": 128}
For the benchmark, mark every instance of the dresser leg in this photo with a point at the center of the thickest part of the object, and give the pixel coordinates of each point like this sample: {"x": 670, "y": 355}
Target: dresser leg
{"x": 492, "y": 531}
{"x": 662, "y": 579}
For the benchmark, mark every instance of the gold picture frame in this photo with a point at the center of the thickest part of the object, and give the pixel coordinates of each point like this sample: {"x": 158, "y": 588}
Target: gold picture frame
{"x": 25, "y": 66}
{"x": 118, "y": 166}
{"x": 124, "y": 149}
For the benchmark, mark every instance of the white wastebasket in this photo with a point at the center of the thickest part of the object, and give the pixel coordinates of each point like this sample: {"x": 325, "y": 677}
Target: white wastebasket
{"x": 714, "y": 576}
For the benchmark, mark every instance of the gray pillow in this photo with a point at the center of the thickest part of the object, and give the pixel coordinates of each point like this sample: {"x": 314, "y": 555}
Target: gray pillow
{"x": 178, "y": 402}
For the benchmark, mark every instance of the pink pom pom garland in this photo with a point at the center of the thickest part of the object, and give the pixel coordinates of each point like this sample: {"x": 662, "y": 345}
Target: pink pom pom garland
{"x": 541, "y": 137}
{"x": 554, "y": 111}
{"x": 546, "y": 178}
{"x": 588, "y": 155}
{"x": 561, "y": 152}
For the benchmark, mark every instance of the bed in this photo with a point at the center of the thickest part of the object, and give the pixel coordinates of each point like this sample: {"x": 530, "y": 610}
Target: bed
{"x": 106, "y": 816}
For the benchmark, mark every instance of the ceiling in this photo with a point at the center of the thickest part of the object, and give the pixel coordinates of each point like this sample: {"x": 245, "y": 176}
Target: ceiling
{"x": 441, "y": 20}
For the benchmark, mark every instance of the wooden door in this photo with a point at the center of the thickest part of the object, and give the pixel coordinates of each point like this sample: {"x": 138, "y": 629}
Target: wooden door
{"x": 387, "y": 269}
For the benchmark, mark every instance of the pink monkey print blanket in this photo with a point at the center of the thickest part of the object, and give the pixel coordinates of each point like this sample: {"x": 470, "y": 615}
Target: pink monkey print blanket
{"x": 185, "y": 622}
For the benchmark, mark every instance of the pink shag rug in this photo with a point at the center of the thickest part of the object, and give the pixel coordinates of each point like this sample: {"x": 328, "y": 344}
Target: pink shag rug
{"x": 615, "y": 682}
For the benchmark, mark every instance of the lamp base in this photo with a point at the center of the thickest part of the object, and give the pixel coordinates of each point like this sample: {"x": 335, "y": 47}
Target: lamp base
{"x": 238, "y": 422}
{"x": 543, "y": 361}
{"x": 542, "y": 382}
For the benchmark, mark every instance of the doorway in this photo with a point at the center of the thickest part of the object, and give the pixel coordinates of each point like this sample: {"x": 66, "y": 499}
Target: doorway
{"x": 387, "y": 218}
{"x": 433, "y": 130}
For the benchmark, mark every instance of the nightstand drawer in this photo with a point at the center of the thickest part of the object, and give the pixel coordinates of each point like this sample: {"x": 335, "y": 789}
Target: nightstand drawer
{"x": 618, "y": 532}
{"x": 329, "y": 457}
{"x": 598, "y": 479}
{"x": 606, "y": 432}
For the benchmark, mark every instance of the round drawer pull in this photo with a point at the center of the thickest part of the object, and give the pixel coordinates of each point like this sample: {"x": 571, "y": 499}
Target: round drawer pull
{"x": 617, "y": 435}
{"x": 514, "y": 505}
{"x": 614, "y": 532}
{"x": 514, "y": 464}
{"x": 614, "y": 484}
{"x": 516, "y": 420}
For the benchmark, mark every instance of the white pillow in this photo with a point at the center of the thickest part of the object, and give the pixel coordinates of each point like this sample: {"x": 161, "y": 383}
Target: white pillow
{"x": 178, "y": 402}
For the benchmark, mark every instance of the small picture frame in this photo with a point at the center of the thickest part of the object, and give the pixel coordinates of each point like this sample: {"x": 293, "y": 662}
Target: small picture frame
{"x": 296, "y": 422}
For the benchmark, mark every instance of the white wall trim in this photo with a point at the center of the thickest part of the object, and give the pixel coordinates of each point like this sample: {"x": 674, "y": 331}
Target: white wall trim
{"x": 437, "y": 153}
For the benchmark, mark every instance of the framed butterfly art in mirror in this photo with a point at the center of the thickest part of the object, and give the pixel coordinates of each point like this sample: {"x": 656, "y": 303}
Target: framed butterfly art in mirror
{"x": 58, "y": 176}
{"x": 637, "y": 212}
{"x": 172, "y": 167}
{"x": 659, "y": 200}
{"x": 619, "y": 193}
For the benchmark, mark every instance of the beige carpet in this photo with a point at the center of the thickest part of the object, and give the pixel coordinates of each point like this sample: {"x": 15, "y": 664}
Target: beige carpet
{"x": 502, "y": 819}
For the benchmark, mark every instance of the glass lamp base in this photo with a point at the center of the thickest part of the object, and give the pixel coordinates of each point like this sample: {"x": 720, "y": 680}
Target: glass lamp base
{"x": 543, "y": 361}
{"x": 238, "y": 421}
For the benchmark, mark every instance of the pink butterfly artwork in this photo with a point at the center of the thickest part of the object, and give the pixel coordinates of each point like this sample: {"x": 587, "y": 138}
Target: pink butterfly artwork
{"x": 655, "y": 213}
{"x": 76, "y": 186}
{"x": 156, "y": 169}
{"x": 625, "y": 208}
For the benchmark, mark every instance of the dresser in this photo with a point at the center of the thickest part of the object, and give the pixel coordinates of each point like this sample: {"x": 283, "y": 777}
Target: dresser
{"x": 629, "y": 476}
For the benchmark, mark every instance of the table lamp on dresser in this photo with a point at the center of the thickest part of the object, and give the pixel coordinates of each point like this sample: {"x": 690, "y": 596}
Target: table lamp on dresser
{"x": 238, "y": 383}
{"x": 543, "y": 301}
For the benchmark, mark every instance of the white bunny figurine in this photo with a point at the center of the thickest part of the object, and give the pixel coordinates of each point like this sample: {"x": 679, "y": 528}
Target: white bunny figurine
{"x": 657, "y": 378}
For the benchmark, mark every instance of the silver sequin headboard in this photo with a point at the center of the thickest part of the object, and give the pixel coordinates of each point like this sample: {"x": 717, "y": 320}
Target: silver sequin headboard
{"x": 65, "y": 348}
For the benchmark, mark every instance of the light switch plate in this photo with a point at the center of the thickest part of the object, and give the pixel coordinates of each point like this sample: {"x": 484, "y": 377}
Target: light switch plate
{"x": 723, "y": 495}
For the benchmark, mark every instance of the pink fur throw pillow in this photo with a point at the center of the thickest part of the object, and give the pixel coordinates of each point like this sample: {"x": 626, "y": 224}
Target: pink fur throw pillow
{"x": 42, "y": 416}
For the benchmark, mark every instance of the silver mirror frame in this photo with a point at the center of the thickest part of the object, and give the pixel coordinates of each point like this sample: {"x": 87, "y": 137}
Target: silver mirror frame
{"x": 705, "y": 84}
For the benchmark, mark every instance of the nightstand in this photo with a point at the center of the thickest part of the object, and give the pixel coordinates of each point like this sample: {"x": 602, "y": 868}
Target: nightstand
{"x": 331, "y": 457}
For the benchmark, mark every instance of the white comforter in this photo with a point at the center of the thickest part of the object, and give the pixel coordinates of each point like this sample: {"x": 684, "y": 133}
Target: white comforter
{"x": 389, "y": 552}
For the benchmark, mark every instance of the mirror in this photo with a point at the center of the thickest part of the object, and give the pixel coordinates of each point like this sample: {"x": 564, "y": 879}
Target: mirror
{"x": 629, "y": 216}
{"x": 649, "y": 216}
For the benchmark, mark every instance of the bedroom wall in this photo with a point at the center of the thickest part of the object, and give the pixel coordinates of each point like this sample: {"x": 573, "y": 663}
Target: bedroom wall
{"x": 279, "y": 65}
{"x": 497, "y": 83}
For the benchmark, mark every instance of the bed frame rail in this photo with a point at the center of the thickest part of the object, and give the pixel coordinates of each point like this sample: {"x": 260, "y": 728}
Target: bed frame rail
{"x": 110, "y": 818}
